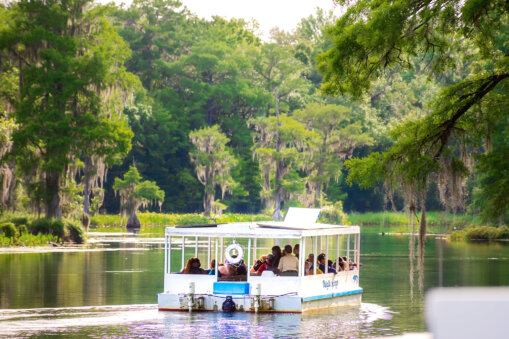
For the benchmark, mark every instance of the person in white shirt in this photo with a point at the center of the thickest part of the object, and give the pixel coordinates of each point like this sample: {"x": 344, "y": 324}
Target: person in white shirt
{"x": 288, "y": 264}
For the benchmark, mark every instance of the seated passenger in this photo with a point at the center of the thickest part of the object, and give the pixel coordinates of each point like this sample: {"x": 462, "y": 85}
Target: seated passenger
{"x": 276, "y": 252}
{"x": 288, "y": 263}
{"x": 309, "y": 268}
{"x": 241, "y": 268}
{"x": 296, "y": 250}
{"x": 193, "y": 266}
{"x": 321, "y": 264}
{"x": 266, "y": 266}
{"x": 340, "y": 264}
{"x": 212, "y": 269}
{"x": 257, "y": 264}
{"x": 348, "y": 264}
{"x": 227, "y": 269}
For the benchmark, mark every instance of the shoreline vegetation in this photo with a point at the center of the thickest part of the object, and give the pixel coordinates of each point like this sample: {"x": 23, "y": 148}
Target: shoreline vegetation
{"x": 26, "y": 231}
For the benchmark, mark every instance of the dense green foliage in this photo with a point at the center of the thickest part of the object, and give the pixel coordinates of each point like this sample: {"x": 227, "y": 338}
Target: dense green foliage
{"x": 213, "y": 162}
{"x": 135, "y": 193}
{"x": 220, "y": 120}
{"x": 466, "y": 37}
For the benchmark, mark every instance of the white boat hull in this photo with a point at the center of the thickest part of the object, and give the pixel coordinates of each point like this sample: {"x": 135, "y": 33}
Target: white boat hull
{"x": 277, "y": 294}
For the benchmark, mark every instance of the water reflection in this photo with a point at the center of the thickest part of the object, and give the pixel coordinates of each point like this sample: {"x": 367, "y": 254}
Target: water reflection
{"x": 144, "y": 320}
{"x": 127, "y": 272}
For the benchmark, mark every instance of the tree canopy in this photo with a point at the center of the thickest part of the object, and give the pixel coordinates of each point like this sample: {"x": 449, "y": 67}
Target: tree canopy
{"x": 69, "y": 63}
{"x": 373, "y": 37}
{"x": 411, "y": 95}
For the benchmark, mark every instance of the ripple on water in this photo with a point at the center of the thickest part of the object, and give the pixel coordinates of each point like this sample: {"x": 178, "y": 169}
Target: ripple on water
{"x": 127, "y": 321}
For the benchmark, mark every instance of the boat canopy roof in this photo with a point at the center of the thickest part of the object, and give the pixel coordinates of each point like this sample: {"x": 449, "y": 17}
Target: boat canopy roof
{"x": 298, "y": 223}
{"x": 269, "y": 229}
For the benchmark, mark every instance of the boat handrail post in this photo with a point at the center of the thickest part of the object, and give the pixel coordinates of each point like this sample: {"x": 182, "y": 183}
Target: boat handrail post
{"x": 216, "y": 263}
{"x": 255, "y": 243}
{"x": 326, "y": 254}
{"x": 315, "y": 247}
{"x": 358, "y": 245}
{"x": 302, "y": 249}
{"x": 222, "y": 244}
{"x": 169, "y": 254}
{"x": 165, "y": 270}
{"x": 196, "y": 247}
{"x": 183, "y": 252}
{"x": 348, "y": 251}
{"x": 337, "y": 253}
{"x": 248, "y": 268}
{"x": 208, "y": 251}
{"x": 165, "y": 254}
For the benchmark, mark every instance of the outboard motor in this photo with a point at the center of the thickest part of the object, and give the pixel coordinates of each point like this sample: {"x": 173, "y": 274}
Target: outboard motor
{"x": 228, "y": 305}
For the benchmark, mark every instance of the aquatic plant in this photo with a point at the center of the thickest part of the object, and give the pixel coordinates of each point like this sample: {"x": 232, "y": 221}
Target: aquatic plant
{"x": 481, "y": 233}
{"x": 27, "y": 239}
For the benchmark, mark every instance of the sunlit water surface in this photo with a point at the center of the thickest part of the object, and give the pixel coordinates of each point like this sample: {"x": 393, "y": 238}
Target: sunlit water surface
{"x": 113, "y": 293}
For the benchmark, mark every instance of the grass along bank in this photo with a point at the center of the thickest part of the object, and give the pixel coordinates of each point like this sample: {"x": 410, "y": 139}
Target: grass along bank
{"x": 458, "y": 221}
{"x": 458, "y": 227}
{"x": 468, "y": 226}
{"x": 108, "y": 223}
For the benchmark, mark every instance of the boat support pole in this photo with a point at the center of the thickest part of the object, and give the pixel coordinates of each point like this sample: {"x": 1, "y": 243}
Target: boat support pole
{"x": 190, "y": 296}
{"x": 257, "y": 293}
{"x": 183, "y": 252}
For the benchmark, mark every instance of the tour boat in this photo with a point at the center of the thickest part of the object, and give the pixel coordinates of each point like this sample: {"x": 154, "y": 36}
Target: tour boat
{"x": 237, "y": 243}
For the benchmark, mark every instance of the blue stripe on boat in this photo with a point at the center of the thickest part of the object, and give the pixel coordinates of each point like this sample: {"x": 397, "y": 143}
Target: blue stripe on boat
{"x": 331, "y": 295}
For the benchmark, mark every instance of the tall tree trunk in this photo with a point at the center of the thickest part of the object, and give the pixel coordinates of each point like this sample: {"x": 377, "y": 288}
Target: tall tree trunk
{"x": 53, "y": 209}
{"x": 279, "y": 168}
{"x": 318, "y": 194}
{"x": 210, "y": 103}
{"x": 422, "y": 240}
{"x": 210, "y": 111}
{"x": 208, "y": 199}
{"x": 86, "y": 187}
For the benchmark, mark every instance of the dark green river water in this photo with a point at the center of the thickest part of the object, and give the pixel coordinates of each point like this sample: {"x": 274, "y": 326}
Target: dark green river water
{"x": 112, "y": 293}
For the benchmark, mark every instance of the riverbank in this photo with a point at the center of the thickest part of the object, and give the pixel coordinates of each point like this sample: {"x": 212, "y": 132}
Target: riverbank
{"x": 458, "y": 221}
{"x": 458, "y": 227}
{"x": 98, "y": 222}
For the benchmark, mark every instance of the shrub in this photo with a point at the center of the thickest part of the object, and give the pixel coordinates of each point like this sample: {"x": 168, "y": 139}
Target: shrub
{"x": 48, "y": 226}
{"x": 333, "y": 214}
{"x": 481, "y": 233}
{"x": 75, "y": 232}
{"x": 8, "y": 229}
{"x": 457, "y": 235}
{"x": 501, "y": 233}
{"x": 18, "y": 221}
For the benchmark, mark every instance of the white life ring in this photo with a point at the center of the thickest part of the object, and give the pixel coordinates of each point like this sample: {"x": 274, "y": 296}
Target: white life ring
{"x": 238, "y": 258}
